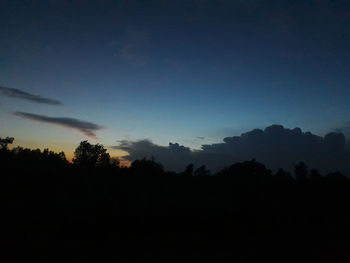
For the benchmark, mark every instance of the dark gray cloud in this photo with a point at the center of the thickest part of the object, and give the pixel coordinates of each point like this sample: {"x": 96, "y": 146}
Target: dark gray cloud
{"x": 85, "y": 127}
{"x": 174, "y": 156}
{"x": 19, "y": 94}
{"x": 345, "y": 129}
{"x": 275, "y": 146}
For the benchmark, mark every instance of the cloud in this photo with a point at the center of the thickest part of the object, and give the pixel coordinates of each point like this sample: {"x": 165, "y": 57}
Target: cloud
{"x": 346, "y": 126}
{"x": 85, "y": 127}
{"x": 174, "y": 156}
{"x": 275, "y": 146}
{"x": 345, "y": 129}
{"x": 16, "y": 93}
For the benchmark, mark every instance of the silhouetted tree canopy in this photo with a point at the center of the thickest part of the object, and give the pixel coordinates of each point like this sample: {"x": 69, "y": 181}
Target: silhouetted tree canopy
{"x": 189, "y": 170}
{"x": 146, "y": 167}
{"x": 246, "y": 169}
{"x": 91, "y": 155}
{"x": 5, "y": 142}
{"x": 201, "y": 171}
{"x": 301, "y": 171}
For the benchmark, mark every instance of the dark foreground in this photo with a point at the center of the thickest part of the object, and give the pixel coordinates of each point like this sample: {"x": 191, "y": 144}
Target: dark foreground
{"x": 59, "y": 212}
{"x": 101, "y": 216}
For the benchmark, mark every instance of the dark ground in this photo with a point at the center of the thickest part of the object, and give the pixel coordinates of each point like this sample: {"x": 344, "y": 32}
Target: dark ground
{"x": 66, "y": 213}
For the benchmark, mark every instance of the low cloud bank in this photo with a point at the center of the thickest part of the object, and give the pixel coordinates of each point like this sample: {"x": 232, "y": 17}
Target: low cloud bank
{"x": 275, "y": 146}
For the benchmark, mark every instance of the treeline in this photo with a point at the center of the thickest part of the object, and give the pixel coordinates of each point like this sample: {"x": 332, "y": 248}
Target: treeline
{"x": 95, "y": 210}
{"x": 95, "y": 156}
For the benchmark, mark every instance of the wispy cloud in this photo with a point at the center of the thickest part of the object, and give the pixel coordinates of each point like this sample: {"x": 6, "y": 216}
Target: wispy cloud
{"x": 20, "y": 94}
{"x": 87, "y": 128}
{"x": 136, "y": 46}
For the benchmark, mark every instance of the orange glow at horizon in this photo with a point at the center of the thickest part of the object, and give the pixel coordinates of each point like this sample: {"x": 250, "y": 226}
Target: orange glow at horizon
{"x": 68, "y": 150}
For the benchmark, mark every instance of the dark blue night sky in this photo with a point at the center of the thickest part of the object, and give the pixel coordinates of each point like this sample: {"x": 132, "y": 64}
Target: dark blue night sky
{"x": 186, "y": 71}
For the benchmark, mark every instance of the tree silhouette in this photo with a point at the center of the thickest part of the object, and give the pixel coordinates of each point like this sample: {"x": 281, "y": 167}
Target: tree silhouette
{"x": 5, "y": 142}
{"x": 201, "y": 171}
{"x": 147, "y": 167}
{"x": 315, "y": 174}
{"x": 189, "y": 170}
{"x": 90, "y": 155}
{"x": 281, "y": 173}
{"x": 115, "y": 162}
{"x": 301, "y": 171}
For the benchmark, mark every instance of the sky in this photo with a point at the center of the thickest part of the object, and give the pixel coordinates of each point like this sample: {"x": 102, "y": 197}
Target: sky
{"x": 190, "y": 72}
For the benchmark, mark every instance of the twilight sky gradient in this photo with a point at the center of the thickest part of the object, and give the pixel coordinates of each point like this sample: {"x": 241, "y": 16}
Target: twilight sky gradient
{"x": 185, "y": 71}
